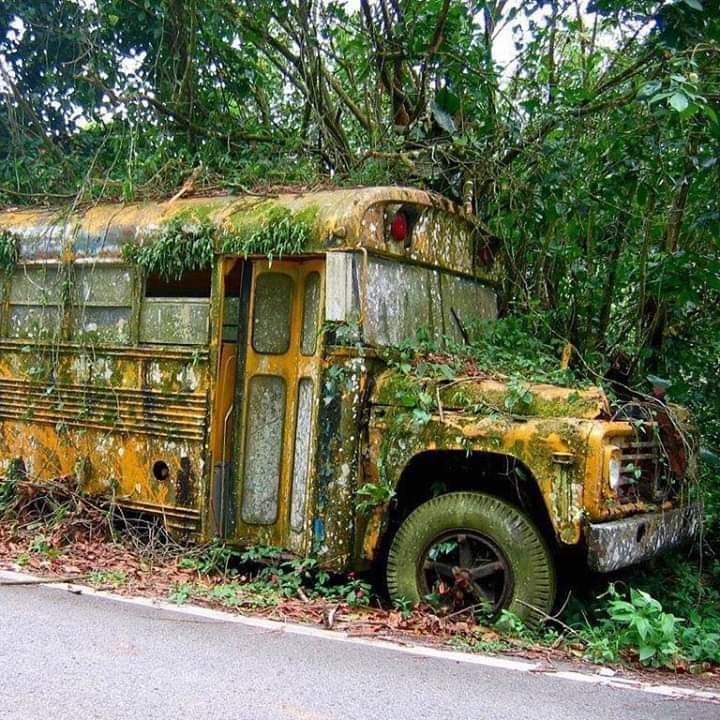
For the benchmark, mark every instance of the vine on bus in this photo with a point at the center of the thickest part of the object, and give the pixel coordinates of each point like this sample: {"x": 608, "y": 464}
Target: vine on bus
{"x": 8, "y": 251}
{"x": 182, "y": 245}
{"x": 279, "y": 233}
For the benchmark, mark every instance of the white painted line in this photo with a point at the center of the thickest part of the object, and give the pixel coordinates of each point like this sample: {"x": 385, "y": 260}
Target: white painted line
{"x": 600, "y": 678}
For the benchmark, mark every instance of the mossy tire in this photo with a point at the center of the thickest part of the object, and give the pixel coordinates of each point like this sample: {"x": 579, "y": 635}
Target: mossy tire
{"x": 531, "y": 592}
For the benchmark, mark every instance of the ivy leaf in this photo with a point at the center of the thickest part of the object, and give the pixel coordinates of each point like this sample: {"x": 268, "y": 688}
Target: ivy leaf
{"x": 447, "y": 101}
{"x": 649, "y": 89}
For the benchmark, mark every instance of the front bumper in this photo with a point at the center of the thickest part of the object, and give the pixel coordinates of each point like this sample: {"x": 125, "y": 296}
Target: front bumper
{"x": 619, "y": 543}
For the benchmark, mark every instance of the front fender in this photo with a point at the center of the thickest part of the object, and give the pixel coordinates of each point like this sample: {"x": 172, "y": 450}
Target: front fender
{"x": 553, "y": 450}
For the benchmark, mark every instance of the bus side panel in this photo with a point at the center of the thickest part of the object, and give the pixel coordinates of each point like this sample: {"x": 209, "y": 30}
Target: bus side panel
{"x": 128, "y": 422}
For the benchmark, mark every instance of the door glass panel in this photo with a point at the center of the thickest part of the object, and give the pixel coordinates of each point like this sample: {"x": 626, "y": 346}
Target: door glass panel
{"x": 263, "y": 448}
{"x": 271, "y": 321}
{"x": 311, "y": 301}
{"x": 231, "y": 318}
{"x": 303, "y": 432}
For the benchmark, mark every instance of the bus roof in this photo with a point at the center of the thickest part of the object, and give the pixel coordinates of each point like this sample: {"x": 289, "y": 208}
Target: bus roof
{"x": 333, "y": 220}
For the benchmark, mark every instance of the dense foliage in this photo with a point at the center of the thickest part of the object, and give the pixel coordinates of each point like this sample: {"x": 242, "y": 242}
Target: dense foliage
{"x": 585, "y": 133}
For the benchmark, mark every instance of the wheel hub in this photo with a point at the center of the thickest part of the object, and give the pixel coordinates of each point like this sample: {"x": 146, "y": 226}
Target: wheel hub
{"x": 465, "y": 570}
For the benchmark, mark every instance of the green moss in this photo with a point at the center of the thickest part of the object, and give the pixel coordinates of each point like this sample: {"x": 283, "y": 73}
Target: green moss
{"x": 271, "y": 230}
{"x": 183, "y": 244}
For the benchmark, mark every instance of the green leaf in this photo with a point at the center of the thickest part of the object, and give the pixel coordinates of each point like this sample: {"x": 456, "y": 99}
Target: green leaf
{"x": 447, "y": 101}
{"x": 694, "y": 4}
{"x": 643, "y": 627}
{"x": 646, "y": 652}
{"x": 711, "y": 114}
{"x": 443, "y": 118}
{"x": 678, "y": 101}
{"x": 649, "y": 88}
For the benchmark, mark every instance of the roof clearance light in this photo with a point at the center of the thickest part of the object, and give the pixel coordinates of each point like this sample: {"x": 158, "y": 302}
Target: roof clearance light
{"x": 399, "y": 227}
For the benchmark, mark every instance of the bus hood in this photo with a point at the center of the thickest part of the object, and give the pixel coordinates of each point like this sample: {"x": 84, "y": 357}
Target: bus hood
{"x": 395, "y": 388}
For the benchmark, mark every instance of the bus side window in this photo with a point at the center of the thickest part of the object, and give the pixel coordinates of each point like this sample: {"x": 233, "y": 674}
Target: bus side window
{"x": 101, "y": 303}
{"x": 36, "y": 302}
{"x": 176, "y": 312}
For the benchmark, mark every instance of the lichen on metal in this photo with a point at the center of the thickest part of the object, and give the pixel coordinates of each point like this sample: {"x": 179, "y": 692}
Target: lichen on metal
{"x": 334, "y": 219}
{"x": 250, "y": 392}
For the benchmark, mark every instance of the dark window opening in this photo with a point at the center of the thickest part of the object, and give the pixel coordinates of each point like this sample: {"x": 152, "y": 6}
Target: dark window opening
{"x": 234, "y": 278}
{"x": 192, "y": 284}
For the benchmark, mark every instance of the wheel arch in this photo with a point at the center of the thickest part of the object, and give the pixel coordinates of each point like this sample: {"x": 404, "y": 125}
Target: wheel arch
{"x": 434, "y": 472}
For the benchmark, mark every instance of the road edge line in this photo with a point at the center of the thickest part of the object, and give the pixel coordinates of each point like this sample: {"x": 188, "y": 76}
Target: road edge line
{"x": 417, "y": 650}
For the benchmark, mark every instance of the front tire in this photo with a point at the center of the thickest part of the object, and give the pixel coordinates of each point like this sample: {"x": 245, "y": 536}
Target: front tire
{"x": 471, "y": 549}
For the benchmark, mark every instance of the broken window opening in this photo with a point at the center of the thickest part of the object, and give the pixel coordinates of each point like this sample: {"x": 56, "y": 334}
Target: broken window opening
{"x": 176, "y": 312}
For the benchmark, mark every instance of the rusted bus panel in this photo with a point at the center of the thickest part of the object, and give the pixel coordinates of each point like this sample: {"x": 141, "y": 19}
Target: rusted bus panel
{"x": 342, "y": 400}
{"x": 337, "y": 220}
{"x": 107, "y": 416}
{"x": 41, "y": 235}
{"x": 631, "y": 540}
{"x": 393, "y": 388}
{"x": 439, "y": 238}
{"x": 114, "y": 464}
{"x": 546, "y": 400}
{"x": 169, "y": 369}
{"x": 552, "y": 449}
{"x": 399, "y": 297}
{"x": 392, "y": 301}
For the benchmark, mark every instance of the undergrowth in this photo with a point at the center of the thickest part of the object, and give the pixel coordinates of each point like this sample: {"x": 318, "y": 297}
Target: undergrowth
{"x": 509, "y": 347}
{"x": 665, "y": 614}
{"x": 262, "y": 575}
{"x": 8, "y": 251}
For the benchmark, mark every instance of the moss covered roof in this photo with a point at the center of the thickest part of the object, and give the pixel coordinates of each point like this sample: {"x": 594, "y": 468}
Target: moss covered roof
{"x": 330, "y": 219}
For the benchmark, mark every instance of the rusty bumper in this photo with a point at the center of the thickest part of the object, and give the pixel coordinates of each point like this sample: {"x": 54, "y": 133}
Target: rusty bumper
{"x": 619, "y": 543}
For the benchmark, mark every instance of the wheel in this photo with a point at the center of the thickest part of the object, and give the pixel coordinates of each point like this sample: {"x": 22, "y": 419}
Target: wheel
{"x": 467, "y": 549}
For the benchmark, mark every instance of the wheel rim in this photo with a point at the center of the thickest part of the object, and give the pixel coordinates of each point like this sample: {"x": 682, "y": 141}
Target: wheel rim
{"x": 461, "y": 569}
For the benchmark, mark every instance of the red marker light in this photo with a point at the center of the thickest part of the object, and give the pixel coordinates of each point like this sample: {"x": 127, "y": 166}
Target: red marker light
{"x": 399, "y": 227}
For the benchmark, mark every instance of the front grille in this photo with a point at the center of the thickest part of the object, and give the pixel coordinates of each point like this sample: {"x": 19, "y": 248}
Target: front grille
{"x": 643, "y": 470}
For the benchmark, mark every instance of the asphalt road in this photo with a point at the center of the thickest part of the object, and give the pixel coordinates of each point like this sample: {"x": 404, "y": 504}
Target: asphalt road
{"x": 81, "y": 658}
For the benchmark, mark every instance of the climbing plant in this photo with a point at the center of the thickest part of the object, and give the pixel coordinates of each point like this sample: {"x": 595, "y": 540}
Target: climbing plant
{"x": 181, "y": 245}
{"x": 8, "y": 251}
{"x": 278, "y": 233}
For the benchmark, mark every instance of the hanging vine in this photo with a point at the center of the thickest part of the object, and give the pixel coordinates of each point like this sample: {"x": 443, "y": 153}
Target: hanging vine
{"x": 278, "y": 232}
{"x": 181, "y": 246}
{"x": 8, "y": 251}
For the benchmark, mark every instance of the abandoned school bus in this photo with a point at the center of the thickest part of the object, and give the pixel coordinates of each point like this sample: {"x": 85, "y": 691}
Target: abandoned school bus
{"x": 222, "y": 362}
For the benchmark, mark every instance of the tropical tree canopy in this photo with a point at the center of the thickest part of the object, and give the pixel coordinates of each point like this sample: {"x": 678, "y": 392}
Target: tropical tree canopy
{"x": 586, "y": 134}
